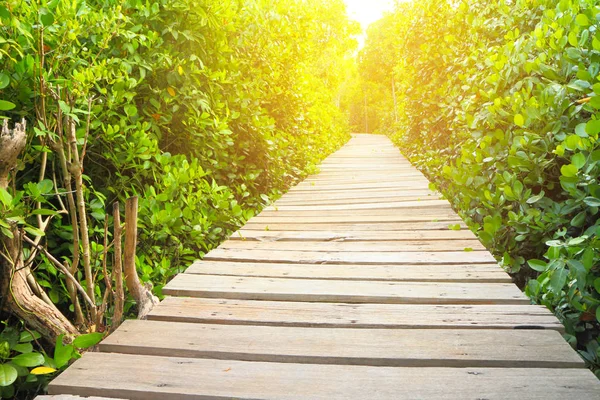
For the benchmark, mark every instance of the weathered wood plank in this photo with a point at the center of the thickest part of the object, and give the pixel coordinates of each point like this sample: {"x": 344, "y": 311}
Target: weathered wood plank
{"x": 342, "y": 315}
{"x": 406, "y": 214}
{"x": 355, "y": 227}
{"x": 356, "y": 218}
{"x": 353, "y": 247}
{"x": 157, "y": 378}
{"x": 367, "y": 258}
{"x": 390, "y": 206}
{"x": 373, "y": 347}
{"x": 343, "y": 236}
{"x": 320, "y": 187}
{"x": 343, "y": 291}
{"x": 488, "y": 273}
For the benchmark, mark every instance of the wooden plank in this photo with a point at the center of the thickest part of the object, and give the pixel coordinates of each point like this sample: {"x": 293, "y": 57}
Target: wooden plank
{"x": 342, "y": 315}
{"x": 340, "y": 291}
{"x": 317, "y": 188}
{"x": 341, "y": 202}
{"x": 487, "y": 273}
{"x": 444, "y": 210}
{"x": 344, "y": 236}
{"x": 353, "y": 247}
{"x": 356, "y": 227}
{"x": 157, "y": 378}
{"x": 321, "y": 219}
{"x": 373, "y": 347}
{"x": 400, "y": 205}
{"x": 390, "y": 191}
{"x": 365, "y": 257}
{"x": 344, "y": 198}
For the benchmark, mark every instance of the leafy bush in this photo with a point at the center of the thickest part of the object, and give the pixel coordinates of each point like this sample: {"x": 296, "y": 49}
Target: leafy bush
{"x": 499, "y": 106}
{"x": 206, "y": 110}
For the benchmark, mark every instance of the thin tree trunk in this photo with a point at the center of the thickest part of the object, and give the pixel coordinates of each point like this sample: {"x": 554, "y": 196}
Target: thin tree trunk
{"x": 117, "y": 273}
{"x": 141, "y": 293}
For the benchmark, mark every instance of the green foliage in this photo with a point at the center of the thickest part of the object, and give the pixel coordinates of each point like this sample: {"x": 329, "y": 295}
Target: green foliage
{"x": 204, "y": 109}
{"x": 24, "y": 365}
{"x": 499, "y": 107}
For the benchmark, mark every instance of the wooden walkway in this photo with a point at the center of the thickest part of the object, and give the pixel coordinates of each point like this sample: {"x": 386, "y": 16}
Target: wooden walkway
{"x": 351, "y": 286}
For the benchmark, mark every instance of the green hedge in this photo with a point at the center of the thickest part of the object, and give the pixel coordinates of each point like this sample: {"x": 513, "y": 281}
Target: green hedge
{"x": 204, "y": 109}
{"x": 498, "y": 103}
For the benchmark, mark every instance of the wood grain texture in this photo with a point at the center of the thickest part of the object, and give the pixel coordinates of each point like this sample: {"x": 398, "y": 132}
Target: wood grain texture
{"x": 157, "y": 378}
{"x": 349, "y": 236}
{"x": 355, "y": 227}
{"x": 383, "y": 246}
{"x": 343, "y": 315}
{"x": 484, "y": 273}
{"x": 343, "y": 291}
{"x": 367, "y": 258}
{"x": 374, "y": 347}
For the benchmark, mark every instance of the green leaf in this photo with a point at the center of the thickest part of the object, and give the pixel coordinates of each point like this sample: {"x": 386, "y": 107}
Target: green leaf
{"x": 28, "y": 336}
{"x": 8, "y": 374}
{"x": 578, "y": 160}
{"x": 519, "y": 120}
{"x": 5, "y": 197}
{"x": 4, "y": 13}
{"x": 34, "y": 231}
{"x": 582, "y": 20}
{"x": 568, "y": 170}
{"x": 593, "y": 127}
{"x": 45, "y": 186}
{"x": 130, "y": 110}
{"x": 6, "y": 105}
{"x": 592, "y": 201}
{"x": 537, "y": 265}
{"x": 454, "y": 227}
{"x": 87, "y": 340}
{"x": 62, "y": 353}
{"x": 597, "y": 285}
{"x": 536, "y": 198}
{"x": 4, "y": 80}
{"x": 468, "y": 249}
{"x": 558, "y": 280}
{"x": 23, "y": 347}
{"x": 28, "y": 359}
{"x": 46, "y": 17}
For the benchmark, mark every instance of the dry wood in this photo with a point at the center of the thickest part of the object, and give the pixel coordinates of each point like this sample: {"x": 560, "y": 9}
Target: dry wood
{"x": 342, "y": 315}
{"x": 355, "y": 227}
{"x": 343, "y": 291}
{"x": 356, "y": 236}
{"x": 375, "y": 347}
{"x": 157, "y": 378}
{"x": 485, "y": 273}
{"x": 353, "y": 247}
{"x": 364, "y": 257}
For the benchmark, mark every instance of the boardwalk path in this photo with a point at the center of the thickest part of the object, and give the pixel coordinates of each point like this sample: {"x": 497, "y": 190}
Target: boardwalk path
{"x": 350, "y": 287}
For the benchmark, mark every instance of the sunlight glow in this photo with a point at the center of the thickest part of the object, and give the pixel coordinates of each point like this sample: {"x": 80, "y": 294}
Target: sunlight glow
{"x": 368, "y": 11}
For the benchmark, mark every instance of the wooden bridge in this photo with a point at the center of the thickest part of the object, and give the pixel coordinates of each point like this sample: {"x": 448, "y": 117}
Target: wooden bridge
{"x": 351, "y": 286}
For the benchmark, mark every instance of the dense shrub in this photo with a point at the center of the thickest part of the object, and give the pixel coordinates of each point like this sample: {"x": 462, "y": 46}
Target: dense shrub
{"x": 498, "y": 104}
{"x": 204, "y": 109}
